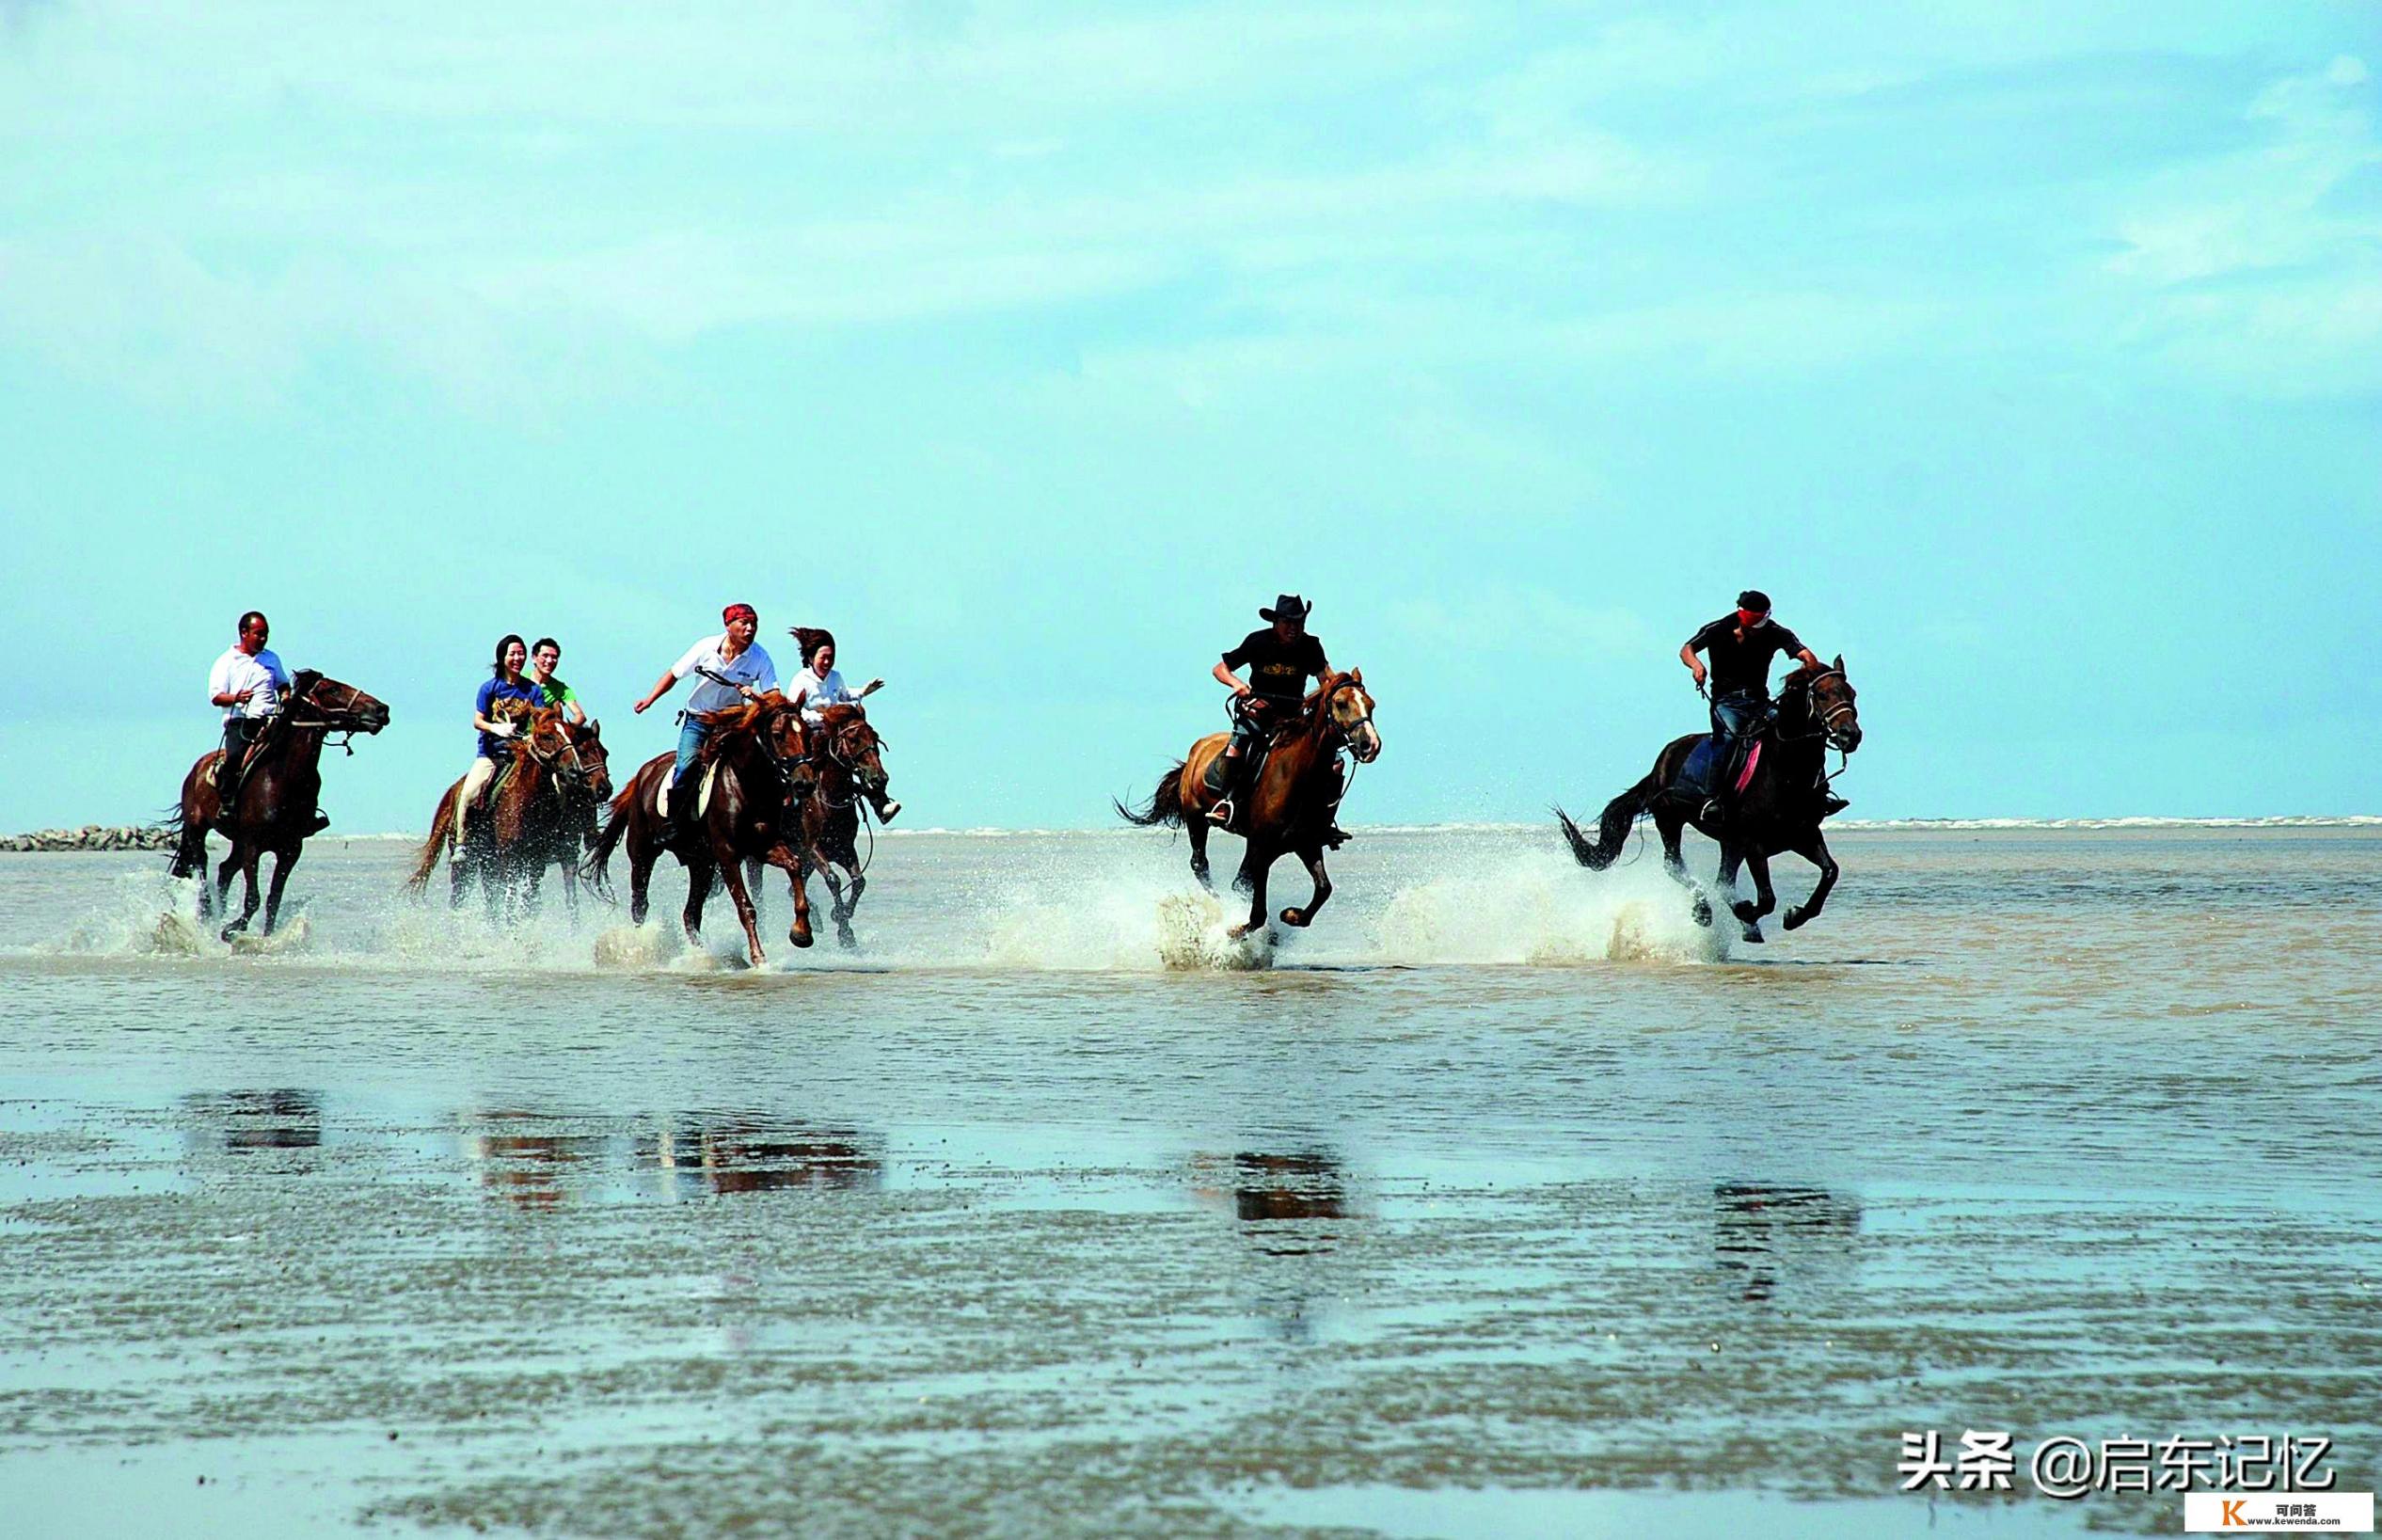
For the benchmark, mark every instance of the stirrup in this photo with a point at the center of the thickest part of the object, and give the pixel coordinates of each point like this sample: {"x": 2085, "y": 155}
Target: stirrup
{"x": 1221, "y": 814}
{"x": 1711, "y": 812}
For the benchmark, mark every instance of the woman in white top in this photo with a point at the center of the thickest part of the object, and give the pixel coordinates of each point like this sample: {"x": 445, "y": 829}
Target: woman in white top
{"x": 820, "y": 686}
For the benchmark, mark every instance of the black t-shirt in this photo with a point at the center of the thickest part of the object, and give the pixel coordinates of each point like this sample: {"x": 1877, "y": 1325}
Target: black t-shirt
{"x": 1742, "y": 668}
{"x": 1278, "y": 670}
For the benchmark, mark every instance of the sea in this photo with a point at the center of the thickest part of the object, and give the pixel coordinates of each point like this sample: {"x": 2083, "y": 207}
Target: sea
{"x": 1504, "y": 1200}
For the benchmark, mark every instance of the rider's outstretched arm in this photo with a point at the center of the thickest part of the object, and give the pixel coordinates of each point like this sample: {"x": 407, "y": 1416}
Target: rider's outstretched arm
{"x": 661, "y": 687}
{"x": 1230, "y": 680}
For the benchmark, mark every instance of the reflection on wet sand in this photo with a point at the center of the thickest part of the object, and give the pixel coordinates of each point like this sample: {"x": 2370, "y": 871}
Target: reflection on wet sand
{"x": 242, "y": 1121}
{"x": 750, "y": 1154}
{"x": 1760, "y": 1231}
{"x": 523, "y": 1159}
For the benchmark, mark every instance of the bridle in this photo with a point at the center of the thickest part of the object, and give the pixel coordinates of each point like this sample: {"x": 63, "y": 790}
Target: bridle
{"x": 333, "y": 717}
{"x": 836, "y": 753}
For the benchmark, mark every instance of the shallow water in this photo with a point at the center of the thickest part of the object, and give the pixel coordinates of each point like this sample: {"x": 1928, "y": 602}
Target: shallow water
{"x": 1507, "y": 1198}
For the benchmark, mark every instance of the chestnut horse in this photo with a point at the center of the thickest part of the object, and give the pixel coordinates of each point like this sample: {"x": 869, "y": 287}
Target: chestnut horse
{"x": 1779, "y": 808}
{"x": 1290, "y": 806}
{"x": 275, "y": 804}
{"x": 756, "y": 746}
{"x": 847, "y": 765}
{"x": 539, "y": 815}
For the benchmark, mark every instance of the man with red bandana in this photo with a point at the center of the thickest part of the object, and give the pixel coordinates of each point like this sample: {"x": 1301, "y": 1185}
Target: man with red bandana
{"x": 734, "y": 668}
{"x": 1741, "y": 645}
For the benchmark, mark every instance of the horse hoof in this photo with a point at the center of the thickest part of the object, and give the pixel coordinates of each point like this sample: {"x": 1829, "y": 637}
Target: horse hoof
{"x": 1234, "y": 933}
{"x": 848, "y": 942}
{"x": 799, "y": 938}
{"x": 1295, "y": 916}
{"x": 1796, "y": 915}
{"x": 1753, "y": 935}
{"x": 1703, "y": 912}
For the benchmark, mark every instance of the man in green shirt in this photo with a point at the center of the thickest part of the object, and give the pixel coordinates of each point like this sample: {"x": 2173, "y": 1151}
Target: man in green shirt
{"x": 553, "y": 691}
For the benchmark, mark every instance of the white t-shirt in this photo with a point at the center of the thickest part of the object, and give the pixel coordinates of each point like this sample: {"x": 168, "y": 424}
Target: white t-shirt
{"x": 822, "y": 692}
{"x": 752, "y": 667}
{"x": 235, "y": 671}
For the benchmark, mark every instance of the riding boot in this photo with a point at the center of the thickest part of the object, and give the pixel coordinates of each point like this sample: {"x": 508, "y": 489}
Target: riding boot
{"x": 1831, "y": 805}
{"x": 685, "y": 816}
{"x": 322, "y": 821}
{"x": 886, "y": 808}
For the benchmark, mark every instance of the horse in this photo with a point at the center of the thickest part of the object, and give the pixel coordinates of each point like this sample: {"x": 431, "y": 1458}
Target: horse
{"x": 275, "y": 804}
{"x": 1292, "y": 804}
{"x": 849, "y": 765}
{"x": 537, "y": 816}
{"x": 755, "y": 747}
{"x": 1779, "y": 808}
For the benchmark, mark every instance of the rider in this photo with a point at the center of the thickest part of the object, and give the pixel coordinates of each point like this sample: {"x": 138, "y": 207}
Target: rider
{"x": 247, "y": 682}
{"x": 543, "y": 653}
{"x": 506, "y": 681}
{"x": 1281, "y": 658}
{"x": 734, "y": 668}
{"x": 1741, "y": 645}
{"x": 820, "y": 686}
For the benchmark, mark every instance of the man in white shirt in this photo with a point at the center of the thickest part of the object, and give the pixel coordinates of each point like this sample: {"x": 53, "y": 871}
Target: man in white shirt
{"x": 732, "y": 669}
{"x": 248, "y": 682}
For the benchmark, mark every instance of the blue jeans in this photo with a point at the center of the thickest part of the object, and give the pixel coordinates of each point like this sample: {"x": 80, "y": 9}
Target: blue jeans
{"x": 690, "y": 736}
{"x": 1732, "y": 717}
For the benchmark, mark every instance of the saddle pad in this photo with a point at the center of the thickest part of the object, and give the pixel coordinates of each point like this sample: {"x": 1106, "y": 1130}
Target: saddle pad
{"x": 702, "y": 794}
{"x": 1753, "y": 757}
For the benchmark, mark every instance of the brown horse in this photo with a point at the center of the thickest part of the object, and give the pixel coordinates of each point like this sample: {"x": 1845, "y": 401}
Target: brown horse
{"x": 538, "y": 816}
{"x": 757, "y": 747}
{"x": 1779, "y": 808}
{"x": 847, "y": 765}
{"x": 274, "y": 804}
{"x": 1290, "y": 806}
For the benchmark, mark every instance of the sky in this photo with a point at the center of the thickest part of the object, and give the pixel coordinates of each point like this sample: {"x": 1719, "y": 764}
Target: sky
{"x": 2029, "y": 354}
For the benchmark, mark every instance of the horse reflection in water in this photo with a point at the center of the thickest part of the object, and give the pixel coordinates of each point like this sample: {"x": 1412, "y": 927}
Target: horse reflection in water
{"x": 248, "y": 1123}
{"x": 748, "y": 1154}
{"x": 529, "y": 1158}
{"x": 1760, "y": 1233}
{"x": 1292, "y": 1207}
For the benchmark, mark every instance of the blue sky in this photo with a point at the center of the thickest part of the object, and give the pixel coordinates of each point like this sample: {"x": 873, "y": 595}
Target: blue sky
{"x": 2029, "y": 354}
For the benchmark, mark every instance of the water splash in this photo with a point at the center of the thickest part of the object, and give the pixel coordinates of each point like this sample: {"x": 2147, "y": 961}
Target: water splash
{"x": 1543, "y": 910}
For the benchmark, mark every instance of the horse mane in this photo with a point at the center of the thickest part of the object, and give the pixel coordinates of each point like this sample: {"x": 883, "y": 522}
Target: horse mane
{"x": 733, "y": 724}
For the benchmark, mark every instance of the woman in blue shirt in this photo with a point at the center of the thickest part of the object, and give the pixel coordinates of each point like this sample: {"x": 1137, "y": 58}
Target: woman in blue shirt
{"x": 507, "y": 682}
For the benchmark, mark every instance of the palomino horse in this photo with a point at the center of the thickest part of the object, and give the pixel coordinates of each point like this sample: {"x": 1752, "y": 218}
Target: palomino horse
{"x": 848, "y": 761}
{"x": 276, "y": 799}
{"x": 1779, "y": 808}
{"x": 539, "y": 815}
{"x": 756, "y": 747}
{"x": 1290, "y": 806}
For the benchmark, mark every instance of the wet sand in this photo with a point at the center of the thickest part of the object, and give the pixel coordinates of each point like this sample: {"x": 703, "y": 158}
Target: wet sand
{"x": 1505, "y": 1201}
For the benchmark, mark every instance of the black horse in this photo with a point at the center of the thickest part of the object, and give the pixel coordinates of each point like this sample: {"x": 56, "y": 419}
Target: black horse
{"x": 1779, "y": 808}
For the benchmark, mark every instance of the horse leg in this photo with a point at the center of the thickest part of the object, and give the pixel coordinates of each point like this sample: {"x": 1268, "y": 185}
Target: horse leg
{"x": 1765, "y": 899}
{"x": 798, "y": 871}
{"x": 571, "y": 888}
{"x": 1813, "y": 847}
{"x": 248, "y": 858}
{"x": 1731, "y": 858}
{"x": 1253, "y": 870}
{"x": 847, "y": 897}
{"x": 1314, "y": 856}
{"x": 640, "y": 876}
{"x": 1196, "y": 827}
{"x": 224, "y": 874}
{"x": 1670, "y": 826}
{"x": 753, "y": 866}
{"x": 281, "y": 865}
{"x": 699, "y": 874}
{"x": 732, "y": 875}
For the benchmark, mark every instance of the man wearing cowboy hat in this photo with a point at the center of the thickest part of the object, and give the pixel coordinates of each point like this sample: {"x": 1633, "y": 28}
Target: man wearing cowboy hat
{"x": 1281, "y": 658}
{"x": 1740, "y": 645}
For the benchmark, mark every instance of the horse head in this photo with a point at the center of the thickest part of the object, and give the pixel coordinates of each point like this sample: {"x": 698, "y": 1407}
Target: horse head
{"x": 317, "y": 700}
{"x": 1829, "y": 699}
{"x": 1348, "y": 707}
{"x": 847, "y": 739}
{"x": 587, "y": 741}
{"x": 772, "y": 724}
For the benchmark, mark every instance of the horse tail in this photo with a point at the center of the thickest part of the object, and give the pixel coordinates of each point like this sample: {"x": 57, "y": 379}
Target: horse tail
{"x": 597, "y": 868}
{"x": 1620, "y": 815}
{"x": 441, "y": 830}
{"x": 1165, "y": 804}
{"x": 190, "y": 846}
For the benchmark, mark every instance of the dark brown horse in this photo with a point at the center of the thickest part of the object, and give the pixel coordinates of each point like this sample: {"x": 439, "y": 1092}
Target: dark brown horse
{"x": 755, "y": 747}
{"x": 847, "y": 765}
{"x": 275, "y": 804}
{"x": 538, "y": 814}
{"x": 1290, "y": 806}
{"x": 1779, "y": 808}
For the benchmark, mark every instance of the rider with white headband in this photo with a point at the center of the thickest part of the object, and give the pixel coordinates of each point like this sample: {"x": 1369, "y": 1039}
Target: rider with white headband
{"x": 1741, "y": 645}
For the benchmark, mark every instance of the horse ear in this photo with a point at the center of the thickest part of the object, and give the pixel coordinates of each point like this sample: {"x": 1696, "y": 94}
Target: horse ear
{"x": 1357, "y": 674}
{"x": 595, "y": 728}
{"x": 801, "y": 695}
{"x": 1839, "y": 664}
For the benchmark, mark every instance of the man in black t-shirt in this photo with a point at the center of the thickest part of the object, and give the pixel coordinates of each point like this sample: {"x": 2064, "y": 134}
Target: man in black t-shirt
{"x": 1280, "y": 660}
{"x": 1741, "y": 646}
